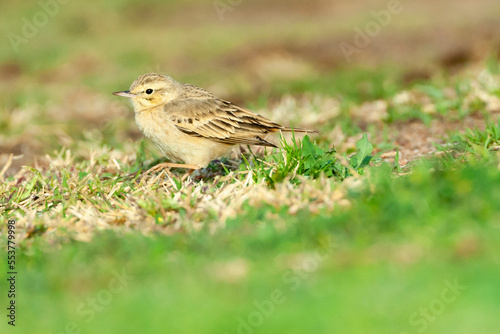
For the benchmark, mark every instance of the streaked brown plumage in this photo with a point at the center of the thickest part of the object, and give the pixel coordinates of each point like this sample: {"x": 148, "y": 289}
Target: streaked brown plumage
{"x": 190, "y": 124}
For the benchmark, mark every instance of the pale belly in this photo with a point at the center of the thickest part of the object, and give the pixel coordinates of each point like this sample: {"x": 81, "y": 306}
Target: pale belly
{"x": 193, "y": 151}
{"x": 179, "y": 146}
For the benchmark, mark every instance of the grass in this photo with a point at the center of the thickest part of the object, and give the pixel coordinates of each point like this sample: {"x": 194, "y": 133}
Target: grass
{"x": 386, "y": 221}
{"x": 478, "y": 143}
{"x": 300, "y": 230}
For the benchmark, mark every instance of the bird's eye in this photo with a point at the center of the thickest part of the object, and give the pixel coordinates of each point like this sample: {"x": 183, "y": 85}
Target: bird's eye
{"x": 149, "y": 91}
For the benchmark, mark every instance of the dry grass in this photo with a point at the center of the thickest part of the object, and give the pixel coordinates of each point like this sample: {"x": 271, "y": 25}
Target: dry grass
{"x": 72, "y": 200}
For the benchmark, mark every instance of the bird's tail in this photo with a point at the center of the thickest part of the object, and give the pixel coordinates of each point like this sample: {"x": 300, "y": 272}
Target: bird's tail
{"x": 285, "y": 129}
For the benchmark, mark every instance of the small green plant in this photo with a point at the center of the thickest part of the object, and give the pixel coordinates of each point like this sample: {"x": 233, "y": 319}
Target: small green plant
{"x": 308, "y": 159}
{"x": 363, "y": 156}
{"x": 478, "y": 143}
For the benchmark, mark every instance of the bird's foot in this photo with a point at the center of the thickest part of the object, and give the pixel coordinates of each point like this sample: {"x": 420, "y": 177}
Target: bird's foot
{"x": 168, "y": 165}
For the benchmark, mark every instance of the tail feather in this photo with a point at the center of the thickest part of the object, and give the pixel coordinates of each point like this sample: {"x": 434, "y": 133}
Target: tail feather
{"x": 297, "y": 130}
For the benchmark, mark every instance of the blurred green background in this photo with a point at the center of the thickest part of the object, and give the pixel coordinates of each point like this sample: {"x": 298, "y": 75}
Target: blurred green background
{"x": 381, "y": 264}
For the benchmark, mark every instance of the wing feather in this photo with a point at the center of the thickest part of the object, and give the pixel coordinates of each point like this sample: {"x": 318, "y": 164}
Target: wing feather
{"x": 220, "y": 121}
{"x": 199, "y": 113}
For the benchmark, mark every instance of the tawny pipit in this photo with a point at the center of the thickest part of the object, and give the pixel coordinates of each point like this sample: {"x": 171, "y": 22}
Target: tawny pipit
{"x": 190, "y": 124}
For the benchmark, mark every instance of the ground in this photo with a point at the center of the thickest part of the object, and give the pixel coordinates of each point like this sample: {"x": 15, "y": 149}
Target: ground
{"x": 385, "y": 221}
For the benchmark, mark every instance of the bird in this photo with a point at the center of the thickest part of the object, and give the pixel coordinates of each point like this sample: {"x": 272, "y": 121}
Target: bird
{"x": 190, "y": 125}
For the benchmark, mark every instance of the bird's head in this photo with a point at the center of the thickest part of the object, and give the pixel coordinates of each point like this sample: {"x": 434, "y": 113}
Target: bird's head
{"x": 151, "y": 90}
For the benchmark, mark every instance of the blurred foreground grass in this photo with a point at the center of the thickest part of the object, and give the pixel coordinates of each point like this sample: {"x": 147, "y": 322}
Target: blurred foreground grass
{"x": 378, "y": 265}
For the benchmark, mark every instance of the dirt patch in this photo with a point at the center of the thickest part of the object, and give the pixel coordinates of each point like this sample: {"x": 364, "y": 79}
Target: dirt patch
{"x": 416, "y": 140}
{"x": 419, "y": 53}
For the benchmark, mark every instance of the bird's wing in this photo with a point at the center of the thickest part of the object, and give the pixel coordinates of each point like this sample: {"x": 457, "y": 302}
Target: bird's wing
{"x": 218, "y": 120}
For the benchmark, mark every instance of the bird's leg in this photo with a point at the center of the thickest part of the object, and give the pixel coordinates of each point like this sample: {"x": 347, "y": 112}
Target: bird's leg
{"x": 172, "y": 165}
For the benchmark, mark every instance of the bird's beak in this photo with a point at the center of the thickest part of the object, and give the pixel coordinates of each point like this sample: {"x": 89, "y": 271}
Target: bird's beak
{"x": 125, "y": 93}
